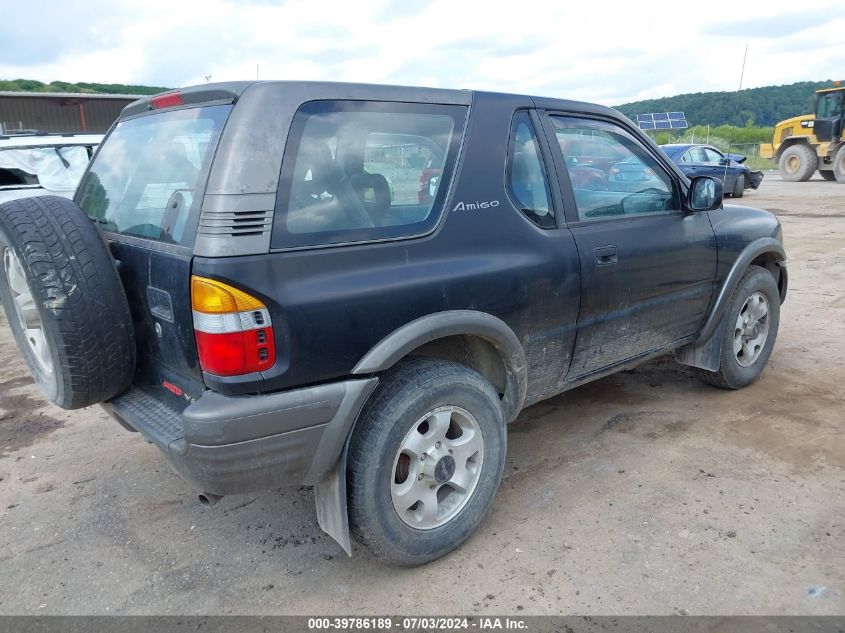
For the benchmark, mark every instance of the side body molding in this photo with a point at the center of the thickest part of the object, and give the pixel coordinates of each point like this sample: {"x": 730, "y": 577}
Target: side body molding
{"x": 704, "y": 352}
{"x": 454, "y": 323}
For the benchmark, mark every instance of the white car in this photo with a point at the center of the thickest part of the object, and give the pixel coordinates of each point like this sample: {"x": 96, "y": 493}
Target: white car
{"x": 36, "y": 164}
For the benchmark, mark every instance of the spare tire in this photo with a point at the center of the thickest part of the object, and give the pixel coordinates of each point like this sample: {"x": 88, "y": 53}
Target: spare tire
{"x": 64, "y": 301}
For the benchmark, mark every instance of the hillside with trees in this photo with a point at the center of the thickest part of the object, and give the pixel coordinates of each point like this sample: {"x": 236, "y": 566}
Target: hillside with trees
{"x": 31, "y": 85}
{"x": 751, "y": 107}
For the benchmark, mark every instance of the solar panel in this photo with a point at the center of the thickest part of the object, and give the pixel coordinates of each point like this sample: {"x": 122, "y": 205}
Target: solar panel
{"x": 662, "y": 121}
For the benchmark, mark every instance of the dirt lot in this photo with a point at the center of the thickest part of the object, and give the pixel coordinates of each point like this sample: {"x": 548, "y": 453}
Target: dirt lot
{"x": 645, "y": 492}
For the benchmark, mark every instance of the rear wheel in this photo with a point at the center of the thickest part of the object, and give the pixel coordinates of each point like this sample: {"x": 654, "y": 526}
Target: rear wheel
{"x": 798, "y": 163}
{"x": 751, "y": 327}
{"x": 839, "y": 165}
{"x": 425, "y": 460}
{"x": 64, "y": 301}
{"x": 827, "y": 174}
{"x": 739, "y": 186}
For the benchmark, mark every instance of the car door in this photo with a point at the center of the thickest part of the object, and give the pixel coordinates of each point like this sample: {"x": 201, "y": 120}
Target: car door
{"x": 693, "y": 162}
{"x": 719, "y": 166}
{"x": 647, "y": 266}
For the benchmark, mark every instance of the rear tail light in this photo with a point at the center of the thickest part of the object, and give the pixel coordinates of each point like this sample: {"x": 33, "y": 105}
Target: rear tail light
{"x": 166, "y": 100}
{"x": 233, "y": 329}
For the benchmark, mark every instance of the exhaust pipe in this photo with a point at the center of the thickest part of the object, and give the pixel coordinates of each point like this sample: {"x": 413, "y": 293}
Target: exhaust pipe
{"x": 208, "y": 499}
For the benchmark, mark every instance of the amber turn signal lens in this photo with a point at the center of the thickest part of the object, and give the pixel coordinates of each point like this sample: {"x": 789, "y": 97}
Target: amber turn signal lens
{"x": 214, "y": 297}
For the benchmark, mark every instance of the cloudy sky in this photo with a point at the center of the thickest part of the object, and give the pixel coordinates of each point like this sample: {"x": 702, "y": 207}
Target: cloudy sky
{"x": 602, "y": 51}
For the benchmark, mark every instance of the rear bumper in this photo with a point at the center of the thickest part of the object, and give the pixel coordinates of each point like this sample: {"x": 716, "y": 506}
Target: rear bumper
{"x": 228, "y": 445}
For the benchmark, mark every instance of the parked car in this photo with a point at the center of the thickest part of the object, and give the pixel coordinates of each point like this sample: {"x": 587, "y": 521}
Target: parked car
{"x": 706, "y": 160}
{"x": 278, "y": 316}
{"x": 430, "y": 177}
{"x": 36, "y": 163}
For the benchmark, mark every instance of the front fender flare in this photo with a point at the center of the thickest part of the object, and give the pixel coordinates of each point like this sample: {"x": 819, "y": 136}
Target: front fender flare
{"x": 704, "y": 351}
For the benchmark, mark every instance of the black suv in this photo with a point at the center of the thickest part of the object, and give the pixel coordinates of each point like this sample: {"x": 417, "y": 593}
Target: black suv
{"x": 251, "y": 276}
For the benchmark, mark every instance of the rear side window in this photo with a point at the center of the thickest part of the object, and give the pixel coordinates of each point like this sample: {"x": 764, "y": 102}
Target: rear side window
{"x": 147, "y": 179}
{"x": 527, "y": 184}
{"x": 364, "y": 170}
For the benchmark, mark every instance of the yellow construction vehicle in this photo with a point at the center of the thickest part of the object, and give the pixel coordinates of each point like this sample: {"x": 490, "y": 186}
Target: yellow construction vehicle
{"x": 803, "y": 144}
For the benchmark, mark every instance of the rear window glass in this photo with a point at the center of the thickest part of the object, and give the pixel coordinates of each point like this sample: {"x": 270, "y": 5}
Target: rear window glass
{"x": 147, "y": 179}
{"x": 364, "y": 170}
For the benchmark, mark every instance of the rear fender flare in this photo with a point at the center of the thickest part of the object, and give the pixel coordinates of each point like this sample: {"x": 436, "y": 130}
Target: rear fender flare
{"x": 407, "y": 338}
{"x": 330, "y": 490}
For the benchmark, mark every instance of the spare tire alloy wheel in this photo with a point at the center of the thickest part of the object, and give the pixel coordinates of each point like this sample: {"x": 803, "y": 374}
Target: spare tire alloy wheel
{"x": 27, "y": 311}
{"x": 437, "y": 467}
{"x": 64, "y": 301}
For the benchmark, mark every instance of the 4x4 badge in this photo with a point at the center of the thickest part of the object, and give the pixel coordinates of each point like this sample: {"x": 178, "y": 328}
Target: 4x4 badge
{"x": 472, "y": 206}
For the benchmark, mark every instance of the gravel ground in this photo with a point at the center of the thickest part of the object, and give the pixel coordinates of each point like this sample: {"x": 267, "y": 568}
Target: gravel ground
{"x": 642, "y": 493}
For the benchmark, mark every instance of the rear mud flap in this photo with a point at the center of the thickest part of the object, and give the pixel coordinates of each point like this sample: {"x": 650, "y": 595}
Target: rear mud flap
{"x": 754, "y": 179}
{"x": 330, "y": 497}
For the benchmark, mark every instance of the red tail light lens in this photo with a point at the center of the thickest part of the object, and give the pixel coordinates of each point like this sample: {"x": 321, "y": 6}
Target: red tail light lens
{"x": 233, "y": 329}
{"x": 166, "y": 100}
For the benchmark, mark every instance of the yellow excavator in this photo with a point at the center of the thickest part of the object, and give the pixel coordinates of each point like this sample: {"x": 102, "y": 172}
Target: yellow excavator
{"x": 809, "y": 142}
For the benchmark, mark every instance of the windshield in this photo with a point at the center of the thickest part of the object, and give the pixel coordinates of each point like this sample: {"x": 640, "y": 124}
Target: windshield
{"x": 54, "y": 168}
{"x": 147, "y": 179}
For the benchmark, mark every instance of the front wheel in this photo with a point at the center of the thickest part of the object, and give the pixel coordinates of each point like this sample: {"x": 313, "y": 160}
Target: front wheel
{"x": 839, "y": 164}
{"x": 798, "y": 163}
{"x": 739, "y": 186}
{"x": 425, "y": 461}
{"x": 751, "y": 327}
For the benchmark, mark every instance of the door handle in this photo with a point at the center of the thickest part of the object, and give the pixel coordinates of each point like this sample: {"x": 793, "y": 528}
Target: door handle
{"x": 606, "y": 255}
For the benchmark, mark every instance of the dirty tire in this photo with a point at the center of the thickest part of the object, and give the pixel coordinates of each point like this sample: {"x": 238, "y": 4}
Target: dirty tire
{"x": 731, "y": 374}
{"x": 798, "y": 163}
{"x": 71, "y": 320}
{"x": 405, "y": 394}
{"x": 839, "y": 165}
{"x": 739, "y": 186}
{"x": 827, "y": 174}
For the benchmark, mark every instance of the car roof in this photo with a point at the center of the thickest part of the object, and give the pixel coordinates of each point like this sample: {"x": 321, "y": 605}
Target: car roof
{"x": 676, "y": 148}
{"x": 234, "y": 90}
{"x": 9, "y": 141}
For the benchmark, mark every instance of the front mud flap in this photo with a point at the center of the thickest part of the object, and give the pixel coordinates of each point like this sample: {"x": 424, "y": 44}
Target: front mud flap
{"x": 330, "y": 497}
{"x": 707, "y": 354}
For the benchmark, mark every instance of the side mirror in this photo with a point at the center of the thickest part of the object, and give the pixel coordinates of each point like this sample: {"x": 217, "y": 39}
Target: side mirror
{"x": 705, "y": 194}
